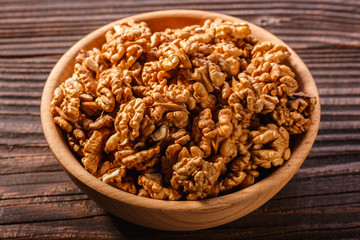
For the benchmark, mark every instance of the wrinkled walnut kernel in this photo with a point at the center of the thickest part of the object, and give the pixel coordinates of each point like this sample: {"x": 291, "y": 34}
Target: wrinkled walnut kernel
{"x": 151, "y": 181}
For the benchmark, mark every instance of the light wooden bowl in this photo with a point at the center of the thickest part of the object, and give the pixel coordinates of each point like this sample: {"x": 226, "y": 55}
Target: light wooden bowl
{"x": 174, "y": 215}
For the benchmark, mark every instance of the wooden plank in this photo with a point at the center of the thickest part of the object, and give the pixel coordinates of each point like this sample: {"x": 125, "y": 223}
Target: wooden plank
{"x": 46, "y": 211}
{"x": 20, "y": 150}
{"x": 33, "y": 178}
{"x": 329, "y": 170}
{"x": 98, "y": 227}
{"x": 334, "y": 150}
{"x": 321, "y": 185}
{"x": 4, "y": 113}
{"x": 42, "y": 199}
{"x": 106, "y": 227}
{"x": 18, "y": 76}
{"x": 240, "y": 8}
{"x": 128, "y": 6}
{"x": 20, "y": 109}
{"x": 20, "y": 95}
{"x": 314, "y": 161}
{"x": 340, "y": 115}
{"x": 39, "y": 190}
{"x": 331, "y": 81}
{"x": 334, "y": 125}
{"x": 28, "y": 163}
{"x": 328, "y": 138}
{"x": 20, "y": 126}
{"x": 25, "y": 142}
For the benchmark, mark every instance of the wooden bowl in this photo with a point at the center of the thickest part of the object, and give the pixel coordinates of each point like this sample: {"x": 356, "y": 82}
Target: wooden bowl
{"x": 163, "y": 214}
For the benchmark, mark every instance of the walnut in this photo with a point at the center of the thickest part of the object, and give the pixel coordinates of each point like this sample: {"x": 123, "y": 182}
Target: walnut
{"x": 128, "y": 119}
{"x": 179, "y": 119}
{"x": 101, "y": 122}
{"x": 232, "y": 180}
{"x": 249, "y": 179}
{"x": 213, "y": 134}
{"x": 68, "y": 109}
{"x": 87, "y": 68}
{"x": 180, "y": 136}
{"x": 226, "y": 91}
{"x": 157, "y": 38}
{"x": 267, "y": 72}
{"x": 152, "y": 74}
{"x": 113, "y": 85}
{"x": 206, "y": 72}
{"x": 177, "y": 93}
{"x": 143, "y": 193}
{"x": 116, "y": 177}
{"x": 227, "y": 56}
{"x": 93, "y": 149}
{"x": 244, "y": 104}
{"x": 172, "y": 56}
{"x": 238, "y": 179}
{"x": 147, "y": 127}
{"x": 76, "y": 141}
{"x": 201, "y": 37}
{"x": 199, "y": 74}
{"x": 271, "y": 145}
{"x": 105, "y": 166}
{"x": 85, "y": 124}
{"x": 191, "y": 46}
{"x": 139, "y": 160}
{"x": 270, "y": 52}
{"x": 200, "y": 93}
{"x": 242, "y": 162}
{"x": 285, "y": 85}
{"x": 246, "y": 45}
{"x": 151, "y": 181}
{"x": 270, "y": 102}
{"x": 111, "y": 143}
{"x": 125, "y": 43}
{"x": 195, "y": 151}
{"x": 90, "y": 108}
{"x": 161, "y": 134}
{"x": 228, "y": 30}
{"x": 196, "y": 176}
{"x": 216, "y": 75}
{"x": 159, "y": 104}
{"x": 207, "y": 131}
{"x": 294, "y": 115}
{"x": 65, "y": 125}
{"x": 57, "y": 99}
{"x": 234, "y": 144}
{"x": 168, "y": 161}
{"x": 191, "y": 112}
{"x": 92, "y": 60}
{"x": 225, "y": 128}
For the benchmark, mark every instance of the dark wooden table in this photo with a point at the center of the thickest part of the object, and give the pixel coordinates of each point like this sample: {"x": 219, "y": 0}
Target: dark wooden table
{"x": 38, "y": 200}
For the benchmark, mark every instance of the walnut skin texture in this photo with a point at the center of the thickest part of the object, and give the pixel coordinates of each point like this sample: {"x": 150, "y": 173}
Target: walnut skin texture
{"x": 181, "y": 114}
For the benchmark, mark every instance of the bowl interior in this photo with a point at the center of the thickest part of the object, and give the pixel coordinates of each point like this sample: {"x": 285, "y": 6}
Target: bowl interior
{"x": 251, "y": 197}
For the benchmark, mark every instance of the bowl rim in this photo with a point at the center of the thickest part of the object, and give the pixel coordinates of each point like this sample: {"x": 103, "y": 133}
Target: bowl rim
{"x": 275, "y": 181}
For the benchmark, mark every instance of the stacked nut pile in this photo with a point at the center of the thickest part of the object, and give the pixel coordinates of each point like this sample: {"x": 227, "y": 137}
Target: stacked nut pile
{"x": 185, "y": 113}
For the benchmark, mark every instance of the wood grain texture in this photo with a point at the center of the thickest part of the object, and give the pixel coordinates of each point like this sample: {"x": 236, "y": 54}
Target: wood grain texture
{"x": 320, "y": 202}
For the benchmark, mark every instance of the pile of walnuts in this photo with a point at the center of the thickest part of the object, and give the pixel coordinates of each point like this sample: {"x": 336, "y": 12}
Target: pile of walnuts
{"x": 185, "y": 113}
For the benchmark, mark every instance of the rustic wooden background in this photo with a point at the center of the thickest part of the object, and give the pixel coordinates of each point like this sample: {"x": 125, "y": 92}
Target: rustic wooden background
{"x": 37, "y": 199}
